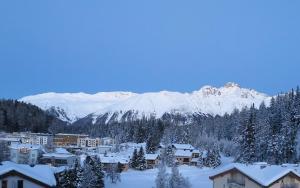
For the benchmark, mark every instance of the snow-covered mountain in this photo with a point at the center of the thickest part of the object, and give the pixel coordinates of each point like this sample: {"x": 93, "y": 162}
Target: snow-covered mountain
{"x": 207, "y": 100}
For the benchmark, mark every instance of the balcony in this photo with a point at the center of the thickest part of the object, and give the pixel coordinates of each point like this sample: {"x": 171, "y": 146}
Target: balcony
{"x": 235, "y": 184}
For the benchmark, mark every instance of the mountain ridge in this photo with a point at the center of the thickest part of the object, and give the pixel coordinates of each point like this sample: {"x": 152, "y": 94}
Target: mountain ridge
{"x": 206, "y": 100}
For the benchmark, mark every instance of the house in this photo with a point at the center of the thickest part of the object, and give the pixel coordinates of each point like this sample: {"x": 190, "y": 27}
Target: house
{"x": 152, "y": 160}
{"x": 183, "y": 157}
{"x": 61, "y": 157}
{"x": 14, "y": 175}
{"x": 185, "y": 154}
{"x": 25, "y": 153}
{"x": 257, "y": 176}
{"x": 107, "y": 161}
{"x": 67, "y": 140}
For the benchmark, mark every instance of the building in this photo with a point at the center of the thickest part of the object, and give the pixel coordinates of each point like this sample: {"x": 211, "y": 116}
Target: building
{"x": 152, "y": 160}
{"x": 108, "y": 161}
{"x": 185, "y": 154}
{"x": 257, "y": 176}
{"x": 107, "y": 141}
{"x": 183, "y": 157}
{"x": 25, "y": 153}
{"x": 88, "y": 142}
{"x": 67, "y": 140}
{"x": 61, "y": 157}
{"x": 36, "y": 138}
{"x": 14, "y": 175}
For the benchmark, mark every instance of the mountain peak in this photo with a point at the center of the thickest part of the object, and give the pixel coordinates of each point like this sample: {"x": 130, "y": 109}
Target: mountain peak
{"x": 231, "y": 85}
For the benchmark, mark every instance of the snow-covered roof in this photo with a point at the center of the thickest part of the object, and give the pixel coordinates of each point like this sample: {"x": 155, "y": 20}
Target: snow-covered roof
{"x": 28, "y": 146}
{"x": 183, "y": 146}
{"x": 114, "y": 159}
{"x": 151, "y": 156}
{"x": 41, "y": 173}
{"x": 183, "y": 153}
{"x": 261, "y": 174}
{"x": 61, "y": 151}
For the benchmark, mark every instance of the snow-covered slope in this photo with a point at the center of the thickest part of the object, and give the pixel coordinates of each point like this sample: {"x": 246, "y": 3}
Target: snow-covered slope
{"x": 73, "y": 106}
{"x": 207, "y": 100}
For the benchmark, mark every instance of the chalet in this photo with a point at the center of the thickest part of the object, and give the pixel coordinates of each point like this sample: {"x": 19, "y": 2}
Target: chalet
{"x": 14, "y": 175}
{"x": 183, "y": 157}
{"x": 152, "y": 160}
{"x": 257, "y": 176}
{"x": 60, "y": 157}
{"x": 108, "y": 161}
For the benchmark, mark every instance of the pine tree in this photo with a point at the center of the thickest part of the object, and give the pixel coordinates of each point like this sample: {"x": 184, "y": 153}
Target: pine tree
{"x": 162, "y": 177}
{"x": 134, "y": 159}
{"x": 113, "y": 173}
{"x": 247, "y": 142}
{"x": 141, "y": 161}
{"x": 92, "y": 173}
{"x": 177, "y": 180}
{"x": 79, "y": 174}
{"x": 97, "y": 168}
{"x": 169, "y": 155}
{"x": 213, "y": 158}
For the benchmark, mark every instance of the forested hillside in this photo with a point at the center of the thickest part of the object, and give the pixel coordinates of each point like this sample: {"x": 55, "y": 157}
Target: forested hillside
{"x": 19, "y": 116}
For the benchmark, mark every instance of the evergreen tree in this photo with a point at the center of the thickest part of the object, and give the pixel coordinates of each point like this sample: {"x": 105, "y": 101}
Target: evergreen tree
{"x": 113, "y": 173}
{"x": 97, "y": 169}
{"x": 177, "y": 180}
{"x": 141, "y": 161}
{"x": 79, "y": 174}
{"x": 247, "y": 142}
{"x": 169, "y": 156}
{"x": 134, "y": 159}
{"x": 213, "y": 158}
{"x": 162, "y": 177}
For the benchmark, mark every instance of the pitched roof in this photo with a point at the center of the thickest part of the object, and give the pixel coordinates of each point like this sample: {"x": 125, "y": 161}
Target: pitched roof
{"x": 183, "y": 153}
{"x": 151, "y": 156}
{"x": 262, "y": 174}
{"x": 183, "y": 146}
{"x": 43, "y": 174}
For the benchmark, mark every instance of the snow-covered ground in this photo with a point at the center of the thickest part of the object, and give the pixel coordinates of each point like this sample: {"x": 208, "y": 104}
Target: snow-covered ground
{"x": 146, "y": 179}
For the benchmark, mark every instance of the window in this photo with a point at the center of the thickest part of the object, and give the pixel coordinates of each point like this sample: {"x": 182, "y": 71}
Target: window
{"x": 4, "y": 183}
{"x": 20, "y": 183}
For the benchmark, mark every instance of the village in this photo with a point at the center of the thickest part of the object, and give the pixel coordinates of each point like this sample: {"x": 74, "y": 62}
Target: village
{"x": 37, "y": 159}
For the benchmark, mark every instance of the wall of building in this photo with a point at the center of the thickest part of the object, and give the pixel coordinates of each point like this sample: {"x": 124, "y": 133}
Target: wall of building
{"x": 222, "y": 181}
{"x": 13, "y": 182}
{"x": 286, "y": 180}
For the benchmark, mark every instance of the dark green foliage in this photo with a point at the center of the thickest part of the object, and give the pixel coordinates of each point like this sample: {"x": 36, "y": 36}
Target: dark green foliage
{"x": 17, "y": 116}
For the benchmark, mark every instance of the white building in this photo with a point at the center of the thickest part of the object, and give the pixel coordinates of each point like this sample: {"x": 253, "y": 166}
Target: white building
{"x": 36, "y": 138}
{"x": 25, "y": 153}
{"x": 88, "y": 142}
{"x": 14, "y": 175}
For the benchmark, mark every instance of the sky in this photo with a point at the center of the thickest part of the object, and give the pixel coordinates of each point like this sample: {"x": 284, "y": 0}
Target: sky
{"x": 142, "y": 46}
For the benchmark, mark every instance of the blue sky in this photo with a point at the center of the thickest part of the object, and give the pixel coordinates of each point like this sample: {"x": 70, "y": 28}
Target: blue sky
{"x": 137, "y": 45}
